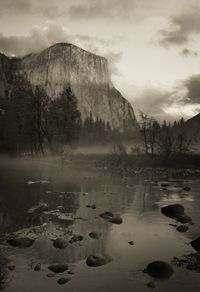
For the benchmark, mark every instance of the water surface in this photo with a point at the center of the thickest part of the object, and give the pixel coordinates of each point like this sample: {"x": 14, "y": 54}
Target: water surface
{"x": 71, "y": 189}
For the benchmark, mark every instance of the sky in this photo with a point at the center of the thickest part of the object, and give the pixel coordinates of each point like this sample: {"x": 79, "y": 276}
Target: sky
{"x": 152, "y": 46}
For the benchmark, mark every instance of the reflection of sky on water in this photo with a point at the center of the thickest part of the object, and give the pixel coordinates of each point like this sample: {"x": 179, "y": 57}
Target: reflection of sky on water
{"x": 139, "y": 206}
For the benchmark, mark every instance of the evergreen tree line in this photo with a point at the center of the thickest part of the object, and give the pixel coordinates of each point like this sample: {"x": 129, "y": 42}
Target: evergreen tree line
{"x": 31, "y": 122}
{"x": 97, "y": 131}
{"x": 164, "y": 139}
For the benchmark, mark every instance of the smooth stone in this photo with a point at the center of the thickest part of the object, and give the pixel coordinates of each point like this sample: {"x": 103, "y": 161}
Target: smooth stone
{"x": 159, "y": 270}
{"x": 187, "y": 189}
{"x": 97, "y": 260}
{"x": 182, "y": 228}
{"x": 116, "y": 220}
{"x": 60, "y": 243}
{"x": 59, "y": 268}
{"x": 21, "y": 242}
{"x": 95, "y": 235}
{"x": 63, "y": 281}
{"x": 185, "y": 219}
{"x": 11, "y": 268}
{"x": 76, "y": 238}
{"x": 50, "y": 275}
{"x": 173, "y": 211}
{"x": 196, "y": 244}
{"x": 106, "y": 215}
{"x": 151, "y": 285}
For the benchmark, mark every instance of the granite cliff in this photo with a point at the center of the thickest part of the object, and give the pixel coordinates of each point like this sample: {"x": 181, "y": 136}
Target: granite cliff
{"x": 63, "y": 65}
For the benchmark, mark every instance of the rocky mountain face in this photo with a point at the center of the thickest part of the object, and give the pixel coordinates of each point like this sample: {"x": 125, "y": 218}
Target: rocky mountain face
{"x": 63, "y": 65}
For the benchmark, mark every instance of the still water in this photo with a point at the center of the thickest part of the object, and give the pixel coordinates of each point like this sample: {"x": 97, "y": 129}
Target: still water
{"x": 70, "y": 190}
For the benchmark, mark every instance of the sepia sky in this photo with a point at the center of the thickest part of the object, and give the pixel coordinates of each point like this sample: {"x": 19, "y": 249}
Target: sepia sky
{"x": 153, "y": 46}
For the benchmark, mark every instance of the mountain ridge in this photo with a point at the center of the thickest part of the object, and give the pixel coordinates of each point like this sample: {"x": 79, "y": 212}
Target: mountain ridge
{"x": 65, "y": 64}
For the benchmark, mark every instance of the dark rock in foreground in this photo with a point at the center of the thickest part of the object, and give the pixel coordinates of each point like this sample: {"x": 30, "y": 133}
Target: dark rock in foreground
{"x": 196, "y": 244}
{"x": 63, "y": 281}
{"x": 97, "y": 260}
{"x": 187, "y": 189}
{"x": 110, "y": 217}
{"x": 182, "y": 228}
{"x": 106, "y": 215}
{"x": 95, "y": 235}
{"x": 21, "y": 242}
{"x": 37, "y": 267}
{"x": 76, "y": 238}
{"x": 131, "y": 242}
{"x": 159, "y": 270}
{"x": 185, "y": 219}
{"x": 59, "y": 268}
{"x": 173, "y": 211}
{"x": 60, "y": 243}
{"x": 4, "y": 275}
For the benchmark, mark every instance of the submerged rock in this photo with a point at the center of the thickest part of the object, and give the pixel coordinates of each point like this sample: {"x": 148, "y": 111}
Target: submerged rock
{"x": 37, "y": 267}
{"x": 11, "y": 267}
{"x": 59, "y": 268}
{"x": 21, "y": 242}
{"x": 159, "y": 270}
{"x": 50, "y": 275}
{"x": 97, "y": 260}
{"x": 182, "y": 228}
{"x": 60, "y": 243}
{"x": 95, "y": 235}
{"x": 173, "y": 211}
{"x": 196, "y": 244}
{"x": 131, "y": 242}
{"x": 63, "y": 281}
{"x": 151, "y": 285}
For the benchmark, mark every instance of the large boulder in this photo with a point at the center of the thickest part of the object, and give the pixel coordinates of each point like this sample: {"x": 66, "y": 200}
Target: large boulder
{"x": 173, "y": 211}
{"x": 196, "y": 244}
{"x": 159, "y": 270}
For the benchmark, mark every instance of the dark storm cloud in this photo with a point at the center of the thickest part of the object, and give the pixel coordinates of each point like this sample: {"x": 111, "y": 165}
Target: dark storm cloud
{"x": 181, "y": 28}
{"x": 192, "y": 84}
{"x": 102, "y": 9}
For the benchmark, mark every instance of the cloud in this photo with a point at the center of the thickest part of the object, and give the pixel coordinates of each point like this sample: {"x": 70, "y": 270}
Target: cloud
{"x": 187, "y": 52}
{"x": 17, "y": 6}
{"x": 192, "y": 85}
{"x": 37, "y": 39}
{"x": 41, "y": 37}
{"x": 93, "y": 9}
{"x": 181, "y": 28}
{"x": 183, "y": 100}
